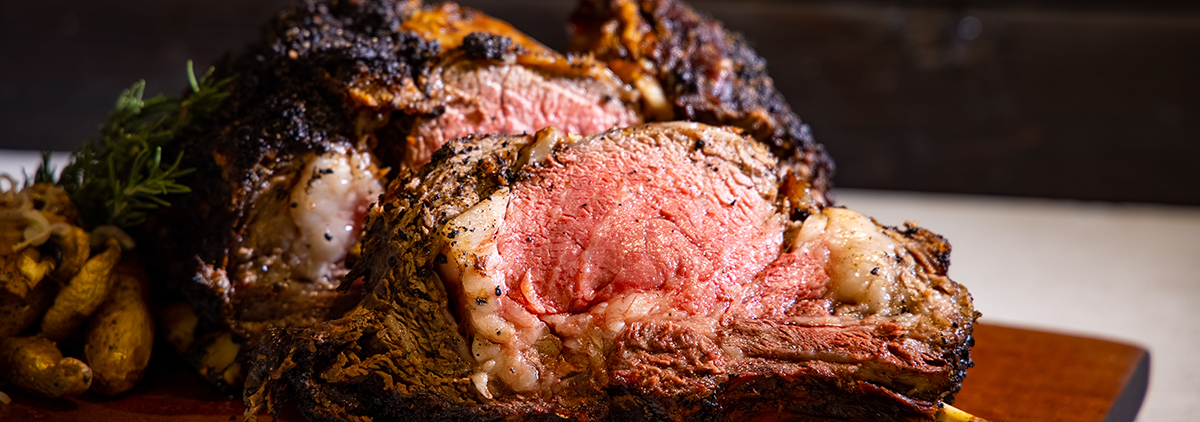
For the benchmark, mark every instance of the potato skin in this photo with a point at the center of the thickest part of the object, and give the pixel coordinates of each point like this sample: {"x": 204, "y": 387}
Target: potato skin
{"x": 17, "y": 315}
{"x": 120, "y": 335}
{"x": 35, "y": 364}
{"x": 83, "y": 295}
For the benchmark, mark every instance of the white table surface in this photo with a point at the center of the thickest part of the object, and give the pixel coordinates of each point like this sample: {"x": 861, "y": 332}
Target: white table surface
{"x": 1124, "y": 272}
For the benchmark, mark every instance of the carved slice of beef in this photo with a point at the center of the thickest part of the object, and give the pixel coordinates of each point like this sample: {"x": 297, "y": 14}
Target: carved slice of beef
{"x": 658, "y": 272}
{"x": 490, "y": 78}
{"x": 336, "y": 97}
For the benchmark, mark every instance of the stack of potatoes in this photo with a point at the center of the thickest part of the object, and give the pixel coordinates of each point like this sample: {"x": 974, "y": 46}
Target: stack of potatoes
{"x": 63, "y": 286}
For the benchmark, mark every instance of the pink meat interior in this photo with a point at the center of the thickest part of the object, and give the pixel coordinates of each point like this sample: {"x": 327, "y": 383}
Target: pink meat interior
{"x": 612, "y": 219}
{"x": 514, "y": 100}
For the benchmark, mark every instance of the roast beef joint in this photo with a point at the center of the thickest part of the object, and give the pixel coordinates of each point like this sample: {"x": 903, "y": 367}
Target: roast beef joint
{"x": 409, "y": 211}
{"x": 660, "y": 272}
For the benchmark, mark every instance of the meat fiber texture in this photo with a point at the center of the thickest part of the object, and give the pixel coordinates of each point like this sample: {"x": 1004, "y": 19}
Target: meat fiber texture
{"x": 671, "y": 271}
{"x": 340, "y": 96}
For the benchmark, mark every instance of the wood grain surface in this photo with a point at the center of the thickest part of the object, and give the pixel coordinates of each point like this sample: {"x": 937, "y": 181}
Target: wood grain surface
{"x": 1020, "y": 375}
{"x": 1024, "y": 375}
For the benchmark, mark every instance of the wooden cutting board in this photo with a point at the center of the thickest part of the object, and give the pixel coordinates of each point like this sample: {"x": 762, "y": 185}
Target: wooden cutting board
{"x": 1019, "y": 375}
{"x": 1025, "y": 375}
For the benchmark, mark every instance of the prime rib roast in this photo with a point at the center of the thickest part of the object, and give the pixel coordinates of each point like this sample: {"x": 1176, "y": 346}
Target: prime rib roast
{"x": 340, "y": 96}
{"x": 542, "y": 249}
{"x": 668, "y": 271}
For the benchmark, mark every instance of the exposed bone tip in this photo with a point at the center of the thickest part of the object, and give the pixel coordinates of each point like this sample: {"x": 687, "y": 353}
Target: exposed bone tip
{"x": 950, "y": 413}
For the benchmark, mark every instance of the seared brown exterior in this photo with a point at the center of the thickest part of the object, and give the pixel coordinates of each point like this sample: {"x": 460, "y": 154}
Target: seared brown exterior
{"x": 401, "y": 349}
{"x": 709, "y": 74}
{"x": 286, "y": 102}
{"x": 403, "y": 355}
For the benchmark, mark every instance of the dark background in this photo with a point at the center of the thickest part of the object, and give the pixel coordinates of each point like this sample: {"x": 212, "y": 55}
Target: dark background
{"x": 1095, "y": 100}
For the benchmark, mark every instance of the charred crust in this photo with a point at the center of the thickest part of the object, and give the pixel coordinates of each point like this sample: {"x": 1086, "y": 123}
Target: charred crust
{"x": 486, "y": 46}
{"x": 281, "y": 105}
{"x": 960, "y": 361}
{"x": 709, "y": 74}
{"x": 288, "y": 99}
{"x": 931, "y": 244}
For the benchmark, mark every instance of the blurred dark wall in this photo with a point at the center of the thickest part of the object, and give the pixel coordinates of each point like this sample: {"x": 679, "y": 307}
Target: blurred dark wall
{"x": 1071, "y": 99}
{"x": 63, "y": 62}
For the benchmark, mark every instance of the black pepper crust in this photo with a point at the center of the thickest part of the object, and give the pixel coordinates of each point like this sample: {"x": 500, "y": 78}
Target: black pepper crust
{"x": 485, "y": 46}
{"x": 287, "y": 100}
{"x": 708, "y": 73}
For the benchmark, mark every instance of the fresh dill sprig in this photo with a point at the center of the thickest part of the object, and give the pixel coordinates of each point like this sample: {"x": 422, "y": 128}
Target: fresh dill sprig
{"x": 115, "y": 178}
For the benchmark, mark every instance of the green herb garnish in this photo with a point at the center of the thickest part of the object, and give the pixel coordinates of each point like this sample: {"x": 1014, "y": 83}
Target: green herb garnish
{"x": 115, "y": 178}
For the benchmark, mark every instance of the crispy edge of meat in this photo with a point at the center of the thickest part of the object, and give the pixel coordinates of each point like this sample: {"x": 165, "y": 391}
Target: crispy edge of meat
{"x": 288, "y": 101}
{"x": 403, "y": 328}
{"x": 708, "y": 74}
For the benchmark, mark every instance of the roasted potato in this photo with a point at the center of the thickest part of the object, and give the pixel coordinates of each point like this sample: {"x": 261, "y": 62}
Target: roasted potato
{"x": 82, "y": 295}
{"x": 120, "y": 335}
{"x": 35, "y": 364}
{"x": 17, "y": 315}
